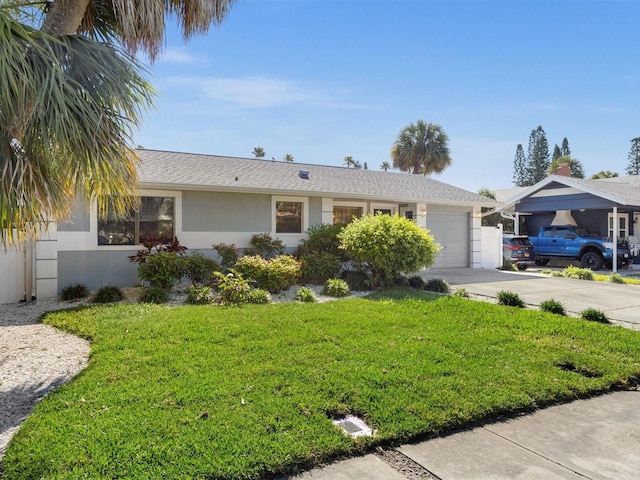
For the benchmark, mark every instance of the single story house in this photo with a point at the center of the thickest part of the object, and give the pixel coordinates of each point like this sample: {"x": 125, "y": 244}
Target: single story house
{"x": 609, "y": 207}
{"x": 207, "y": 199}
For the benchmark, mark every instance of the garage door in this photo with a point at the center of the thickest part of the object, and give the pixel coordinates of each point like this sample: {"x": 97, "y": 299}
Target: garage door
{"x": 451, "y": 230}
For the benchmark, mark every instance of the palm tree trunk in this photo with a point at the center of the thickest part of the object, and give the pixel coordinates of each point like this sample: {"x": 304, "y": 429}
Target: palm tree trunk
{"x": 64, "y": 17}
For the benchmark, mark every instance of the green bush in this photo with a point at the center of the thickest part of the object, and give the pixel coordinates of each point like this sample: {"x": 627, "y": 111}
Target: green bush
{"x": 108, "y": 294}
{"x": 388, "y": 245}
{"x": 265, "y": 246}
{"x": 199, "y": 294}
{"x": 74, "y": 292}
{"x": 510, "y": 299}
{"x": 233, "y": 289}
{"x": 306, "y": 295}
{"x": 154, "y": 294}
{"x": 259, "y": 296}
{"x": 438, "y": 285}
{"x": 323, "y": 238}
{"x": 358, "y": 280}
{"x": 162, "y": 269}
{"x": 273, "y": 275}
{"x": 553, "y": 306}
{"x": 318, "y": 267}
{"x": 461, "y": 292}
{"x": 228, "y": 255}
{"x": 199, "y": 268}
{"x": 417, "y": 282}
{"x": 576, "y": 272}
{"x": 508, "y": 267}
{"x": 336, "y": 287}
{"x": 594, "y": 315}
{"x": 615, "y": 278}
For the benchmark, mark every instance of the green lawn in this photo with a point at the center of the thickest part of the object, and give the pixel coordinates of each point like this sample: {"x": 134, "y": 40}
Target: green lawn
{"x": 244, "y": 393}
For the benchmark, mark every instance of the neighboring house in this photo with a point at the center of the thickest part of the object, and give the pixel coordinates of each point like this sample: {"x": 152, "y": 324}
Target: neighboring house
{"x": 207, "y": 199}
{"x": 608, "y": 207}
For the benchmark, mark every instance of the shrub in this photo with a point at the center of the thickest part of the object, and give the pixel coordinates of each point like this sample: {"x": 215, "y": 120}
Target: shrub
{"x": 154, "y": 294}
{"x": 157, "y": 243}
{"x": 547, "y": 271}
{"x": 553, "y": 306}
{"x": 199, "y": 268}
{"x": 306, "y": 295}
{"x": 510, "y": 299}
{"x": 594, "y": 315}
{"x": 74, "y": 292}
{"x": 108, "y": 294}
{"x": 228, "y": 255}
{"x": 576, "y": 272}
{"x": 323, "y": 238}
{"x": 318, "y": 267}
{"x": 461, "y": 292}
{"x": 336, "y": 287}
{"x": 162, "y": 269}
{"x": 388, "y": 245}
{"x": 615, "y": 278}
{"x": 417, "y": 282}
{"x": 199, "y": 294}
{"x": 259, "y": 296}
{"x": 438, "y": 285}
{"x": 233, "y": 289}
{"x": 273, "y": 275}
{"x": 555, "y": 273}
{"x": 358, "y": 280}
{"x": 263, "y": 245}
{"x": 508, "y": 267}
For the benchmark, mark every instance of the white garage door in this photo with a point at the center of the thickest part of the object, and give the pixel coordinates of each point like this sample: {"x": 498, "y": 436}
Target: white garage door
{"x": 451, "y": 230}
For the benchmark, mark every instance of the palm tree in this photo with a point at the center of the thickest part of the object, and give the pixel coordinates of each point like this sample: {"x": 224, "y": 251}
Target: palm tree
{"x": 349, "y": 161}
{"x": 258, "y": 152}
{"x": 288, "y": 158}
{"x": 66, "y": 126}
{"x": 603, "y": 174}
{"x": 384, "y": 166}
{"x": 421, "y": 148}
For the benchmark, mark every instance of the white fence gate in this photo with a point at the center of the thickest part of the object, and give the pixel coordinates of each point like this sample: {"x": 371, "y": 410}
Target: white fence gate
{"x": 12, "y": 274}
{"x": 491, "y": 238}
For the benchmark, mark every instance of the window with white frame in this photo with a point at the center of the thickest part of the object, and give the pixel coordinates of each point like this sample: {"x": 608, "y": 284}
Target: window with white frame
{"x": 623, "y": 225}
{"x": 290, "y": 215}
{"x": 155, "y": 218}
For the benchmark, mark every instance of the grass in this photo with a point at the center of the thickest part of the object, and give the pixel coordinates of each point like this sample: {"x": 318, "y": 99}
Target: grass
{"x": 249, "y": 392}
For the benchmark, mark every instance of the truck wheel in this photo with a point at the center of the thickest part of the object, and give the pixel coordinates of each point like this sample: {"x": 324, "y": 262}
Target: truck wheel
{"x": 541, "y": 262}
{"x": 592, "y": 260}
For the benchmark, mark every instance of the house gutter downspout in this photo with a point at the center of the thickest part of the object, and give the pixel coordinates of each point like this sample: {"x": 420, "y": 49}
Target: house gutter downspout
{"x": 615, "y": 240}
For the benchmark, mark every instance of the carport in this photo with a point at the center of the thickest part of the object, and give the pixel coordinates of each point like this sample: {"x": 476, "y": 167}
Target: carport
{"x": 609, "y": 207}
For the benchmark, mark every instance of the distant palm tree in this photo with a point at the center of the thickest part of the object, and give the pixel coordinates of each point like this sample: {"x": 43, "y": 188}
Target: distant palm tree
{"x": 385, "y": 166}
{"x": 258, "y": 152}
{"x": 288, "y": 158}
{"x": 603, "y": 174}
{"x": 421, "y": 148}
{"x": 349, "y": 161}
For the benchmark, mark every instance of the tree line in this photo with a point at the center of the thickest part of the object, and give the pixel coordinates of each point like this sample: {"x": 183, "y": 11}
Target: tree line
{"x": 537, "y": 163}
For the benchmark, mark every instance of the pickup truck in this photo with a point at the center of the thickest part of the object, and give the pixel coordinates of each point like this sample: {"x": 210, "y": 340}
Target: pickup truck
{"x": 576, "y": 243}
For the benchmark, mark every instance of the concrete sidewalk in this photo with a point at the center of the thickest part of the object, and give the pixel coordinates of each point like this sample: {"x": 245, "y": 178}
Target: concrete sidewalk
{"x": 619, "y": 302}
{"x": 598, "y": 438}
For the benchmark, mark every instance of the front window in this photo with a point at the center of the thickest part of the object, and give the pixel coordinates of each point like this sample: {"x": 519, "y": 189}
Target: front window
{"x": 622, "y": 225}
{"x": 288, "y": 217}
{"x": 344, "y": 215}
{"x": 155, "y": 218}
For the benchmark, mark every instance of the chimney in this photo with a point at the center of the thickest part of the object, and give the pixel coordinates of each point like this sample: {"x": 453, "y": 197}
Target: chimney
{"x": 563, "y": 169}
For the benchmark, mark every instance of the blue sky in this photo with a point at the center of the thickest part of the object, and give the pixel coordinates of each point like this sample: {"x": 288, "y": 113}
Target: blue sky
{"x": 323, "y": 79}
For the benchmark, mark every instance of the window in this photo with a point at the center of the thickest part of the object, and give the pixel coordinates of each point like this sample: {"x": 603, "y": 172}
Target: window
{"x": 346, "y": 214}
{"x": 383, "y": 211}
{"x": 154, "y": 218}
{"x": 623, "y": 229}
{"x": 288, "y": 217}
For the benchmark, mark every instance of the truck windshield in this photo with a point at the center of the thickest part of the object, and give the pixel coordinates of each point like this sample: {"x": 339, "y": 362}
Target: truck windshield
{"x": 583, "y": 232}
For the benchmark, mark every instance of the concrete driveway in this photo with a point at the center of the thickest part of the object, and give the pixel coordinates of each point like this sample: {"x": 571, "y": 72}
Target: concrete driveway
{"x": 619, "y": 302}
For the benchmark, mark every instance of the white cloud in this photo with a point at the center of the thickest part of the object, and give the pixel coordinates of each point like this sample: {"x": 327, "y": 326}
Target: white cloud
{"x": 178, "y": 55}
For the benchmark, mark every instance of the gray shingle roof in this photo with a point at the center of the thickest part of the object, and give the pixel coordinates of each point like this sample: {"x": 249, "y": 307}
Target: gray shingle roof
{"x": 189, "y": 171}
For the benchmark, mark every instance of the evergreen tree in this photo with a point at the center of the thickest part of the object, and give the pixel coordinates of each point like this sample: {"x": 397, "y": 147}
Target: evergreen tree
{"x": 519, "y": 168}
{"x": 633, "y": 167}
{"x": 538, "y": 156}
{"x": 556, "y": 152}
{"x": 565, "y": 150}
